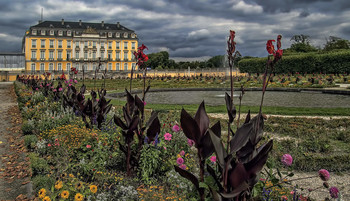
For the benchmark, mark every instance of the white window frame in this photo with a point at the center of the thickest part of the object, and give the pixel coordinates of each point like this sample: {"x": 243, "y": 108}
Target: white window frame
{"x": 126, "y": 45}
{"x": 59, "y": 67}
{"x": 33, "y": 43}
{"x": 117, "y": 66}
{"x": 33, "y": 54}
{"x": 52, "y": 44}
{"x": 126, "y": 35}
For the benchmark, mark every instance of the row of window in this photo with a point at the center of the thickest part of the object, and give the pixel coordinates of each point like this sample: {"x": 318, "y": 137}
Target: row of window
{"x": 79, "y": 67}
{"x": 87, "y": 55}
{"x": 85, "y": 44}
{"x": 69, "y": 33}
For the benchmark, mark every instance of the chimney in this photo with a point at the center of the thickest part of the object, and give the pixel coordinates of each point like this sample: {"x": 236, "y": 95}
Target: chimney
{"x": 102, "y": 23}
{"x": 62, "y": 22}
{"x": 118, "y": 25}
{"x": 79, "y": 22}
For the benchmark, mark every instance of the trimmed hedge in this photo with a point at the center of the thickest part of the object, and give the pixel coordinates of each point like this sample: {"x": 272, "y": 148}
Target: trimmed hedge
{"x": 333, "y": 62}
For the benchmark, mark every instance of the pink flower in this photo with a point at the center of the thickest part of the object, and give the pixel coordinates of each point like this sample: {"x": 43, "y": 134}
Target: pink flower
{"x": 164, "y": 148}
{"x": 287, "y": 160}
{"x": 60, "y": 89}
{"x": 88, "y": 146}
{"x": 180, "y": 161}
{"x": 182, "y": 153}
{"x": 213, "y": 159}
{"x": 75, "y": 81}
{"x": 190, "y": 142}
{"x": 176, "y": 128}
{"x": 324, "y": 174}
{"x": 333, "y": 191}
{"x": 37, "y": 89}
{"x": 70, "y": 85}
{"x": 54, "y": 90}
{"x": 183, "y": 166}
{"x": 57, "y": 144}
{"x": 167, "y": 136}
{"x": 70, "y": 80}
{"x": 144, "y": 103}
{"x": 49, "y": 145}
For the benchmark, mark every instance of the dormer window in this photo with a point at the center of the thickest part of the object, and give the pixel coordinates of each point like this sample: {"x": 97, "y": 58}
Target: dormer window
{"x": 34, "y": 31}
{"x": 133, "y": 35}
{"x": 109, "y": 34}
{"x": 43, "y": 32}
{"x": 60, "y": 32}
{"x": 51, "y": 32}
{"x": 69, "y": 33}
{"x": 117, "y": 35}
{"x": 125, "y": 35}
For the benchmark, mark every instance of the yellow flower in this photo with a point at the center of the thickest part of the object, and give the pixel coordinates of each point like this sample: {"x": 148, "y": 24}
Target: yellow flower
{"x": 47, "y": 198}
{"x": 58, "y": 185}
{"x": 78, "y": 197}
{"x": 93, "y": 188}
{"x": 78, "y": 185}
{"x": 42, "y": 193}
{"x": 71, "y": 175}
{"x": 65, "y": 194}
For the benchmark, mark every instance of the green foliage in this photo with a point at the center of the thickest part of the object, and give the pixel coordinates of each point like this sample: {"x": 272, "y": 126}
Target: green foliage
{"x": 334, "y": 43}
{"x": 151, "y": 164}
{"x": 28, "y": 127}
{"x": 42, "y": 181}
{"x": 39, "y": 165}
{"x": 30, "y": 141}
{"x": 333, "y": 62}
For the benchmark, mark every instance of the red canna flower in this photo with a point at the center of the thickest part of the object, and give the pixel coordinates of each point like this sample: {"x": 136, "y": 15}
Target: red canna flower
{"x": 231, "y": 44}
{"x": 269, "y": 47}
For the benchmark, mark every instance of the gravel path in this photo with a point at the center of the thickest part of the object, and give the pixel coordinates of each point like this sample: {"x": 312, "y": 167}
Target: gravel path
{"x": 14, "y": 166}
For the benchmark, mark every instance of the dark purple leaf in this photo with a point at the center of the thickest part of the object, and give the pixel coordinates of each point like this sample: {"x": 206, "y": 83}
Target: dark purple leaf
{"x": 130, "y": 102}
{"x": 231, "y": 109}
{"x": 244, "y": 153}
{"x": 190, "y": 127}
{"x": 107, "y": 109}
{"x": 150, "y": 120}
{"x": 247, "y": 119}
{"x": 127, "y": 117}
{"x": 93, "y": 95}
{"x": 139, "y": 103}
{"x": 205, "y": 146}
{"x": 82, "y": 89}
{"x": 148, "y": 87}
{"x": 202, "y": 119}
{"x": 189, "y": 176}
{"x": 153, "y": 129}
{"x": 119, "y": 123}
{"x": 257, "y": 163}
{"x": 238, "y": 175}
{"x": 219, "y": 148}
{"x": 134, "y": 123}
{"x": 238, "y": 190}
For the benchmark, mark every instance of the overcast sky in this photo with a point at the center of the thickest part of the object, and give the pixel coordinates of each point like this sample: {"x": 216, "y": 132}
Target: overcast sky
{"x": 188, "y": 28}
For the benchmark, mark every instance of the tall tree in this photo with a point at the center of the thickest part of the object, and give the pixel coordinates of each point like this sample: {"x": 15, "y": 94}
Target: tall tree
{"x": 333, "y": 43}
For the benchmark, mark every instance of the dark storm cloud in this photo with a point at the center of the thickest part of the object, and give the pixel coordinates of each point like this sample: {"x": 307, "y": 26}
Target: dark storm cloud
{"x": 196, "y": 28}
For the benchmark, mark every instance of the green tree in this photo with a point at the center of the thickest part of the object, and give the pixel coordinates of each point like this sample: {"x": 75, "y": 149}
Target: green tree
{"x": 301, "y": 43}
{"x": 334, "y": 43}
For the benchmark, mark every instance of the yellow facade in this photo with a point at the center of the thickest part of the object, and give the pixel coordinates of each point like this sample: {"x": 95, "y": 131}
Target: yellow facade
{"x": 57, "y": 46}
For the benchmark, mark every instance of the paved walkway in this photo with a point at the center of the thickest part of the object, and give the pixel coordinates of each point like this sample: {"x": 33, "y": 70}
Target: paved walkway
{"x": 14, "y": 166}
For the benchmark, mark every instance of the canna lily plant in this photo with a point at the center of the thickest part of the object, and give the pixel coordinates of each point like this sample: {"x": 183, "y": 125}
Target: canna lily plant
{"x": 133, "y": 124}
{"x": 240, "y": 162}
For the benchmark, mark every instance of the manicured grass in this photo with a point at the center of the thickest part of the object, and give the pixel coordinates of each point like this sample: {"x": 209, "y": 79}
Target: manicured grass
{"x": 254, "y": 109}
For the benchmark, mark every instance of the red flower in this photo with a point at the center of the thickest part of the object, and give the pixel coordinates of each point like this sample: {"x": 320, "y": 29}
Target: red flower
{"x": 231, "y": 44}
{"x": 269, "y": 47}
{"x": 142, "y": 47}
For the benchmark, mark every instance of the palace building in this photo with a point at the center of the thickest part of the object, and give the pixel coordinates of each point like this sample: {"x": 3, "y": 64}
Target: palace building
{"x": 59, "y": 45}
